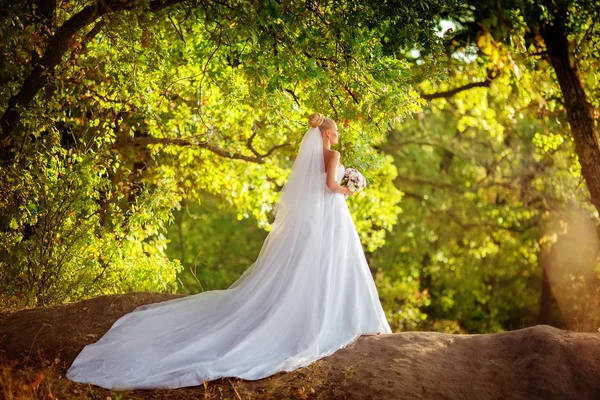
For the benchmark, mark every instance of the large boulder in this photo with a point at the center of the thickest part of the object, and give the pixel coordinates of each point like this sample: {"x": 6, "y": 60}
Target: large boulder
{"x": 539, "y": 362}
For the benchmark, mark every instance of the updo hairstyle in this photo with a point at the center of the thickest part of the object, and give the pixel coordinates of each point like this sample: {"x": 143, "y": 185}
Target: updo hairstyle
{"x": 316, "y": 120}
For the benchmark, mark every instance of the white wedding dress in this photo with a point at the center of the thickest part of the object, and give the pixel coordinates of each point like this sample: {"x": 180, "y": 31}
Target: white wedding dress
{"x": 309, "y": 293}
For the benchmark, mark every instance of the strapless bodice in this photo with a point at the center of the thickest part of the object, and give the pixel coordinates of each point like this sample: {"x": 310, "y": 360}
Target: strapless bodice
{"x": 339, "y": 174}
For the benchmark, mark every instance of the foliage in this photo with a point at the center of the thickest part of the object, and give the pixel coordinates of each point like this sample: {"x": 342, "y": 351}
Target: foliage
{"x": 214, "y": 246}
{"x": 487, "y": 169}
{"x": 124, "y": 113}
{"x": 153, "y": 150}
{"x": 68, "y": 239}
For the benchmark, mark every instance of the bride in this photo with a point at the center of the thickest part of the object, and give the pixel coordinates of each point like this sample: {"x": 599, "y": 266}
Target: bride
{"x": 308, "y": 294}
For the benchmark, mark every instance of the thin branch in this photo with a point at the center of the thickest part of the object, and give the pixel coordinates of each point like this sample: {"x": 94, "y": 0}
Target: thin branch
{"x": 398, "y": 144}
{"x": 449, "y": 93}
{"x": 178, "y": 30}
{"x": 250, "y": 146}
{"x": 94, "y": 31}
{"x": 274, "y": 148}
{"x": 249, "y": 143}
{"x": 452, "y": 92}
{"x": 479, "y": 224}
{"x": 467, "y": 225}
{"x": 100, "y": 124}
{"x": 439, "y": 185}
{"x": 290, "y": 91}
{"x": 204, "y": 73}
{"x": 223, "y": 4}
{"x": 351, "y": 94}
{"x": 588, "y": 32}
{"x": 147, "y": 140}
{"x": 334, "y": 109}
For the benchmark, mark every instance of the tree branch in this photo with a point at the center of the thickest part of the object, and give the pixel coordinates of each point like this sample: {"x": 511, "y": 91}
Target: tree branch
{"x": 396, "y": 144}
{"x": 290, "y": 91}
{"x": 422, "y": 182}
{"x": 449, "y": 93}
{"x": 58, "y": 44}
{"x": 351, "y": 94}
{"x": 452, "y": 92}
{"x": 147, "y": 140}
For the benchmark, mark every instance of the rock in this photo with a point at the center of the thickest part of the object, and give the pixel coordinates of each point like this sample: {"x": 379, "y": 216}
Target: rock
{"x": 539, "y": 362}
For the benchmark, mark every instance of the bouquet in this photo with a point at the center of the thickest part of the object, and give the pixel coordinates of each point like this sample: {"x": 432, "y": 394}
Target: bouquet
{"x": 353, "y": 180}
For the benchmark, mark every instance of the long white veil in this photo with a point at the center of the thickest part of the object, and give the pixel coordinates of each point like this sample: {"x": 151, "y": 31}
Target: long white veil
{"x": 303, "y": 193}
{"x": 301, "y": 203}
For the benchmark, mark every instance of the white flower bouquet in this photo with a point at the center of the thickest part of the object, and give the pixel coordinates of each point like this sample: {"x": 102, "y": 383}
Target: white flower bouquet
{"x": 353, "y": 180}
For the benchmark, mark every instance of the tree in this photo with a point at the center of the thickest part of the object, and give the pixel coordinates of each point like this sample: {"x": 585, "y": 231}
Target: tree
{"x": 57, "y": 45}
{"x": 486, "y": 169}
{"x": 563, "y": 35}
{"x": 132, "y": 107}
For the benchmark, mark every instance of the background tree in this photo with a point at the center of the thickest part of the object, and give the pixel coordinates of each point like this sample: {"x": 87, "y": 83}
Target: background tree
{"x": 560, "y": 37}
{"x": 495, "y": 231}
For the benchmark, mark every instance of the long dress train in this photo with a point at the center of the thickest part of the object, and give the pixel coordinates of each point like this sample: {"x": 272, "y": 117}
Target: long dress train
{"x": 285, "y": 312}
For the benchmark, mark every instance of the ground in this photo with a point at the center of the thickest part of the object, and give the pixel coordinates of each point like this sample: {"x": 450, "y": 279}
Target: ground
{"x": 541, "y": 362}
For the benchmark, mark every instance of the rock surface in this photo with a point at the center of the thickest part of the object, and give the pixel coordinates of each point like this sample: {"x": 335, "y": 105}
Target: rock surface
{"x": 539, "y": 362}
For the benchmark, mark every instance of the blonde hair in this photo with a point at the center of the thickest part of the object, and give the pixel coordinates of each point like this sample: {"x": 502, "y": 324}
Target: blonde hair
{"x": 316, "y": 120}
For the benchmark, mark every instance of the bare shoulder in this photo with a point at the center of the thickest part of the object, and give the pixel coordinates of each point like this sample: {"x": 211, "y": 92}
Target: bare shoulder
{"x": 332, "y": 159}
{"x": 334, "y": 154}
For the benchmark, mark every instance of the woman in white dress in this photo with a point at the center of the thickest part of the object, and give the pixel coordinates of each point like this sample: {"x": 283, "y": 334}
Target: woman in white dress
{"x": 309, "y": 293}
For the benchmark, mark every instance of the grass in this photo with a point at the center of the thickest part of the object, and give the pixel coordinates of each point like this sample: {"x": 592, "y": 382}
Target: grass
{"x": 44, "y": 379}
{"x": 28, "y": 382}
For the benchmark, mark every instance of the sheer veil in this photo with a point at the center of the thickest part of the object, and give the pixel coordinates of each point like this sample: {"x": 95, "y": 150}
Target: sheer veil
{"x": 303, "y": 194}
{"x": 300, "y": 209}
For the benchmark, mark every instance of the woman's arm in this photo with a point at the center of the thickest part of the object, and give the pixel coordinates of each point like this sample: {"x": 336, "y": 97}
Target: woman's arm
{"x": 332, "y": 184}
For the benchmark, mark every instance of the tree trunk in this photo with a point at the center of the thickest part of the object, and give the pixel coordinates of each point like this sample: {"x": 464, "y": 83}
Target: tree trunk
{"x": 579, "y": 110}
